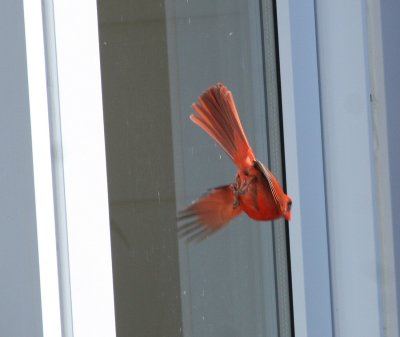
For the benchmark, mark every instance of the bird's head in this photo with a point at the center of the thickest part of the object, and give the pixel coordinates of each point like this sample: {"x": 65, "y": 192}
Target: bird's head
{"x": 287, "y": 208}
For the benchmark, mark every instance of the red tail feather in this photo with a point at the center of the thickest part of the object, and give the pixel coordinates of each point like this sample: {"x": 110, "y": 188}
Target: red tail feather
{"x": 217, "y": 115}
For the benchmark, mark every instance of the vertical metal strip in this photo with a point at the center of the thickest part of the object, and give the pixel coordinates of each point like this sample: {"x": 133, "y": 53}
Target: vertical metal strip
{"x": 42, "y": 167}
{"x": 57, "y": 167}
{"x": 276, "y": 164}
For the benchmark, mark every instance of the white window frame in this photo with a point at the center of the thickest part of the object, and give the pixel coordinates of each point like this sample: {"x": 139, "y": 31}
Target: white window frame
{"x": 69, "y": 132}
{"x": 304, "y": 169}
{"x": 328, "y": 63}
{"x": 77, "y": 289}
{"x": 45, "y": 217}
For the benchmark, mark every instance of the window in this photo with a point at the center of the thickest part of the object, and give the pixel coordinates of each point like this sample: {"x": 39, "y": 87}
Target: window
{"x": 338, "y": 70}
{"x": 157, "y": 57}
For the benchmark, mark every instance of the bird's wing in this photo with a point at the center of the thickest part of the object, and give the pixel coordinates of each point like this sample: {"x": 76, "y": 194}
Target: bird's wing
{"x": 208, "y": 214}
{"x": 273, "y": 183}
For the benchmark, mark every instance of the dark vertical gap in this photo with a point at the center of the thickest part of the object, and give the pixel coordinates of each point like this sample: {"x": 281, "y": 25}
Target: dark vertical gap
{"x": 269, "y": 160}
{"x": 276, "y": 281}
{"x": 283, "y": 163}
{"x": 282, "y": 143}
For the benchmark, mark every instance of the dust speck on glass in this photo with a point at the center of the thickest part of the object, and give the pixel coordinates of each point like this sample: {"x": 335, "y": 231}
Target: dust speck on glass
{"x": 157, "y": 57}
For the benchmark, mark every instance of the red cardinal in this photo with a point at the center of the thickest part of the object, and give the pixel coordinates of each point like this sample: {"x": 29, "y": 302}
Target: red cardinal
{"x": 255, "y": 191}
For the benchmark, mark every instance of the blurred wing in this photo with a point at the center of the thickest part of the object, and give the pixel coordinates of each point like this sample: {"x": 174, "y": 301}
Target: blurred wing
{"x": 208, "y": 214}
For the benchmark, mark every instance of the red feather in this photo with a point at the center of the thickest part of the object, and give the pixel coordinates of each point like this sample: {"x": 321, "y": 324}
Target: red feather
{"x": 256, "y": 191}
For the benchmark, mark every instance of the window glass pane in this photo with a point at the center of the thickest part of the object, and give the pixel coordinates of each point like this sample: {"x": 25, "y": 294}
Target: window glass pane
{"x": 157, "y": 58}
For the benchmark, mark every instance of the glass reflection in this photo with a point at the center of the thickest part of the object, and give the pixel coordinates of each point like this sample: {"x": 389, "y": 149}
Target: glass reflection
{"x": 157, "y": 57}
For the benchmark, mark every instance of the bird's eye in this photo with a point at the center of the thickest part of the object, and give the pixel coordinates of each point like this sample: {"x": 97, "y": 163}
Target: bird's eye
{"x": 289, "y": 205}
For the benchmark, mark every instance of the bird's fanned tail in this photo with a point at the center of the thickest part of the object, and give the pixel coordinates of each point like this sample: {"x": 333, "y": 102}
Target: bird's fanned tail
{"x": 217, "y": 115}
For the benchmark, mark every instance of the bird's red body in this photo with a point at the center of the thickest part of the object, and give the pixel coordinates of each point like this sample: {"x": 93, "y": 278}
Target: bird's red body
{"x": 255, "y": 191}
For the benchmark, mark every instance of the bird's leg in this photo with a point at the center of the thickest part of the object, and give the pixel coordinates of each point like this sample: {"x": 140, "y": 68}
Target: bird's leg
{"x": 243, "y": 184}
{"x": 246, "y": 185}
{"x": 236, "y": 201}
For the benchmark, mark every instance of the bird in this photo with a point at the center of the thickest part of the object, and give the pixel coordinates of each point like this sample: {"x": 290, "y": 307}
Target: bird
{"x": 255, "y": 191}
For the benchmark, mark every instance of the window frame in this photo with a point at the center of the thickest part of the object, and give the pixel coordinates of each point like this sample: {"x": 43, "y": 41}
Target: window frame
{"x": 305, "y": 183}
{"x": 60, "y": 132}
{"x": 45, "y": 215}
{"x": 68, "y": 133}
{"x": 313, "y": 38}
